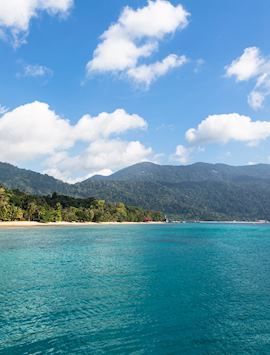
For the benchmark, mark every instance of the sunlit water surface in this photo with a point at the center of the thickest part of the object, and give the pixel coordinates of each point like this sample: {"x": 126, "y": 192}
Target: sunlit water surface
{"x": 161, "y": 289}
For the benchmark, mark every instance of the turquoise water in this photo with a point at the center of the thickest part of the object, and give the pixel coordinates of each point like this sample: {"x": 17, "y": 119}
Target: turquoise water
{"x": 161, "y": 289}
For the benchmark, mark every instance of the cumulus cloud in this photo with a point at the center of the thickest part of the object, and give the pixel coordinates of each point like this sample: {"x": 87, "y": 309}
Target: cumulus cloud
{"x": 252, "y": 65}
{"x": 136, "y": 35}
{"x": 16, "y": 15}
{"x": 65, "y": 176}
{"x": 228, "y": 127}
{"x": 222, "y": 129}
{"x": 34, "y": 131}
{"x": 247, "y": 65}
{"x": 182, "y": 154}
{"x": 35, "y": 71}
{"x": 146, "y": 74}
{"x": 112, "y": 153}
{"x": 106, "y": 124}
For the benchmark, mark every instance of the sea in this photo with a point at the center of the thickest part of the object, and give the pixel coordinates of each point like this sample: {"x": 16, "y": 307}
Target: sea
{"x": 135, "y": 289}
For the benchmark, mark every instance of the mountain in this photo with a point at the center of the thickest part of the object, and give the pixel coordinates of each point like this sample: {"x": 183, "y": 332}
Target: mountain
{"x": 198, "y": 191}
{"x": 196, "y": 172}
{"x": 32, "y": 182}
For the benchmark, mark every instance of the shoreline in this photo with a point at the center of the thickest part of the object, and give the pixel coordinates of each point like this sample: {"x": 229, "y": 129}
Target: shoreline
{"x": 69, "y": 224}
{"x": 29, "y": 224}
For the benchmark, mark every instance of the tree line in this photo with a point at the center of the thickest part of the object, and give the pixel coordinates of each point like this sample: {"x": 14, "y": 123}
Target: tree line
{"x": 18, "y": 206}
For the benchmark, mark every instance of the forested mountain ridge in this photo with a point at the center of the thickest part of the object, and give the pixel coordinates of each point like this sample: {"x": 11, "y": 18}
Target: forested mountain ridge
{"x": 195, "y": 172}
{"x": 32, "y": 182}
{"x": 197, "y": 191}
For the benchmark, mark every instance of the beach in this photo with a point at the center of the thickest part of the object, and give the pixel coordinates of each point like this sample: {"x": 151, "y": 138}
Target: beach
{"x": 68, "y": 224}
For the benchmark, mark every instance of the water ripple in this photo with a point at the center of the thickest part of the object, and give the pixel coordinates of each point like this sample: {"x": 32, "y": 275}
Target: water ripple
{"x": 191, "y": 289}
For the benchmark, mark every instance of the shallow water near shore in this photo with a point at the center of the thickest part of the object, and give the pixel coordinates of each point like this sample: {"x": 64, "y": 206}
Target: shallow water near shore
{"x": 188, "y": 288}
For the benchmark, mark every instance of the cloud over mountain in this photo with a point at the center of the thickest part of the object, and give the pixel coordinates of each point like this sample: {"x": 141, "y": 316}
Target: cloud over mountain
{"x": 229, "y": 127}
{"x": 34, "y": 131}
{"x": 222, "y": 129}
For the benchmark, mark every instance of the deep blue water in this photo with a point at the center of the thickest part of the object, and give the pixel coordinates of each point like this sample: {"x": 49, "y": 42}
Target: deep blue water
{"x": 161, "y": 289}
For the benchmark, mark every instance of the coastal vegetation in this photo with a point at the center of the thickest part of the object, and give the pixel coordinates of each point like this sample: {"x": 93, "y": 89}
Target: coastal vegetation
{"x": 18, "y": 206}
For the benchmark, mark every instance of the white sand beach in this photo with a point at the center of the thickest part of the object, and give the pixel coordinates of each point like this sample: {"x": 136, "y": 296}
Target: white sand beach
{"x": 69, "y": 224}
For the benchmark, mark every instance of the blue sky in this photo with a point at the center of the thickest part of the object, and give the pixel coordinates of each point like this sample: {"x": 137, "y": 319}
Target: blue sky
{"x": 220, "y": 68}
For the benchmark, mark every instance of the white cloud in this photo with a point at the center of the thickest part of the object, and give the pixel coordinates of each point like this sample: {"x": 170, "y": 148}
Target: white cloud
{"x": 252, "y": 65}
{"x": 36, "y": 71}
{"x": 66, "y": 177}
{"x": 116, "y": 153}
{"x": 182, "y": 154}
{"x": 247, "y": 65}
{"x": 16, "y": 15}
{"x": 136, "y": 35}
{"x": 221, "y": 129}
{"x": 146, "y": 74}
{"x": 228, "y": 127}
{"x": 34, "y": 131}
{"x": 106, "y": 124}
{"x": 99, "y": 157}
{"x": 256, "y": 99}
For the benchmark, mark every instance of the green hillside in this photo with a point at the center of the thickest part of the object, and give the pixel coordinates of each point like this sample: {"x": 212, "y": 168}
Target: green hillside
{"x": 198, "y": 191}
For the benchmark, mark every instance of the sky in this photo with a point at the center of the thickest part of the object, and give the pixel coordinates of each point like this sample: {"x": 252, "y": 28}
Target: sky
{"x": 90, "y": 87}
